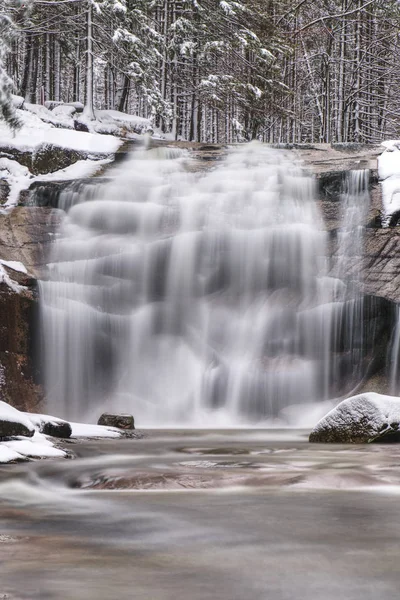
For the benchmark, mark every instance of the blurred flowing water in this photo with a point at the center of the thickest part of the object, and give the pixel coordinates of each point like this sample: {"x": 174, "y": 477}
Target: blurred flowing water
{"x": 205, "y": 515}
{"x": 202, "y": 299}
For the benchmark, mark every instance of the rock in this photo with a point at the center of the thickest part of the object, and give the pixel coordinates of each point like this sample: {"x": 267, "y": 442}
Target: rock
{"x": 78, "y": 126}
{"x": 365, "y": 418}
{"x": 113, "y": 420}
{"x": 46, "y": 159}
{"x": 25, "y": 234}
{"x": 4, "y": 191}
{"x": 51, "y": 425}
{"x": 13, "y": 422}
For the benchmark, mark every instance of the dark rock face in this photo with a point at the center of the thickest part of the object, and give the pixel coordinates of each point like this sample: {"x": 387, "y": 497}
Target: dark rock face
{"x": 25, "y": 234}
{"x": 18, "y": 385}
{"x": 361, "y": 419}
{"x": 113, "y": 420}
{"x": 11, "y": 429}
{"x": 381, "y": 263}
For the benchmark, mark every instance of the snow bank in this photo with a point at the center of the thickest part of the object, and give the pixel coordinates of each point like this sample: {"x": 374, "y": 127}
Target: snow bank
{"x": 20, "y": 447}
{"x": 140, "y": 124}
{"x": 88, "y": 431}
{"x": 389, "y": 174}
{"x": 36, "y": 447}
{"x": 36, "y": 133}
{"x": 18, "y": 183}
{"x": 360, "y": 419}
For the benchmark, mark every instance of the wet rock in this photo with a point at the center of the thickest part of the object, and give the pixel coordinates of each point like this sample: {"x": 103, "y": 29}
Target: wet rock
{"x": 365, "y": 418}
{"x": 121, "y": 421}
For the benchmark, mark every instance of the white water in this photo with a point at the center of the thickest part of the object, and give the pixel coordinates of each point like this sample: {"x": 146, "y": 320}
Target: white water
{"x": 193, "y": 300}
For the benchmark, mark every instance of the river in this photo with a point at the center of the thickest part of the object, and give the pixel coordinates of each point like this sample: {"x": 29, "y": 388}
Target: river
{"x": 203, "y": 515}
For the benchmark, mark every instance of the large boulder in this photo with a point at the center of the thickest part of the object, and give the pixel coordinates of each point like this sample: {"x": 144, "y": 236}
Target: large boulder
{"x": 14, "y": 423}
{"x": 361, "y": 419}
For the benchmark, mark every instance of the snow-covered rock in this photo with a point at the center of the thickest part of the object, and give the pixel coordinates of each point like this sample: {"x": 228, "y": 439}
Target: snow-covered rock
{"x": 364, "y": 418}
{"x": 27, "y": 435}
{"x": 13, "y": 422}
{"x": 18, "y": 101}
{"x": 51, "y": 426}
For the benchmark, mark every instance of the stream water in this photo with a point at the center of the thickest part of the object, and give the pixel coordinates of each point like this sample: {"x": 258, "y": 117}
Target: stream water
{"x": 205, "y": 515}
{"x": 203, "y": 299}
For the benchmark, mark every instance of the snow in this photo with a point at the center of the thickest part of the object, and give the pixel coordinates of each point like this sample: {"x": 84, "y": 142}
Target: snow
{"x": 38, "y": 420}
{"x": 48, "y": 116}
{"x": 11, "y": 414}
{"x": 37, "y": 447}
{"x": 87, "y": 431}
{"x": 78, "y": 170}
{"x": 131, "y": 123}
{"x": 14, "y": 265}
{"x": 36, "y": 133}
{"x": 389, "y": 174}
{"x": 8, "y": 455}
{"x": 13, "y": 285}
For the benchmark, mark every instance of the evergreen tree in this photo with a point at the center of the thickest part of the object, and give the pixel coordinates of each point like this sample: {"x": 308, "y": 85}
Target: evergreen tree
{"x": 7, "y": 34}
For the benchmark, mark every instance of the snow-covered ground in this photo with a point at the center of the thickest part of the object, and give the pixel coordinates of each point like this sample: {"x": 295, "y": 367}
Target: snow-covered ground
{"x": 389, "y": 174}
{"x": 39, "y": 445}
{"x": 42, "y": 127}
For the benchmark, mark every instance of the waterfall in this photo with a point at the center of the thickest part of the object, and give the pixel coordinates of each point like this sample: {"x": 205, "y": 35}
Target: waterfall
{"x": 394, "y": 361}
{"x": 201, "y": 299}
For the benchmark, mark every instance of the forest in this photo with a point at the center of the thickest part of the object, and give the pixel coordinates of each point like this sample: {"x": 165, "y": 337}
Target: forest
{"x": 280, "y": 71}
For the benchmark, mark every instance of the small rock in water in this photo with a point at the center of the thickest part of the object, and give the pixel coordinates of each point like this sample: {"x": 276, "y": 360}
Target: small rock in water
{"x": 361, "y": 419}
{"x": 114, "y": 420}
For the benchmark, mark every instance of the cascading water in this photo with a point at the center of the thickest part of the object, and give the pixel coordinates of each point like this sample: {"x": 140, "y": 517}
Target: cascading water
{"x": 191, "y": 299}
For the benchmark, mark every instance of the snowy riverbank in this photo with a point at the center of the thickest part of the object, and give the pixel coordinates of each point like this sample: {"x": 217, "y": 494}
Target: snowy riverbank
{"x": 25, "y": 436}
